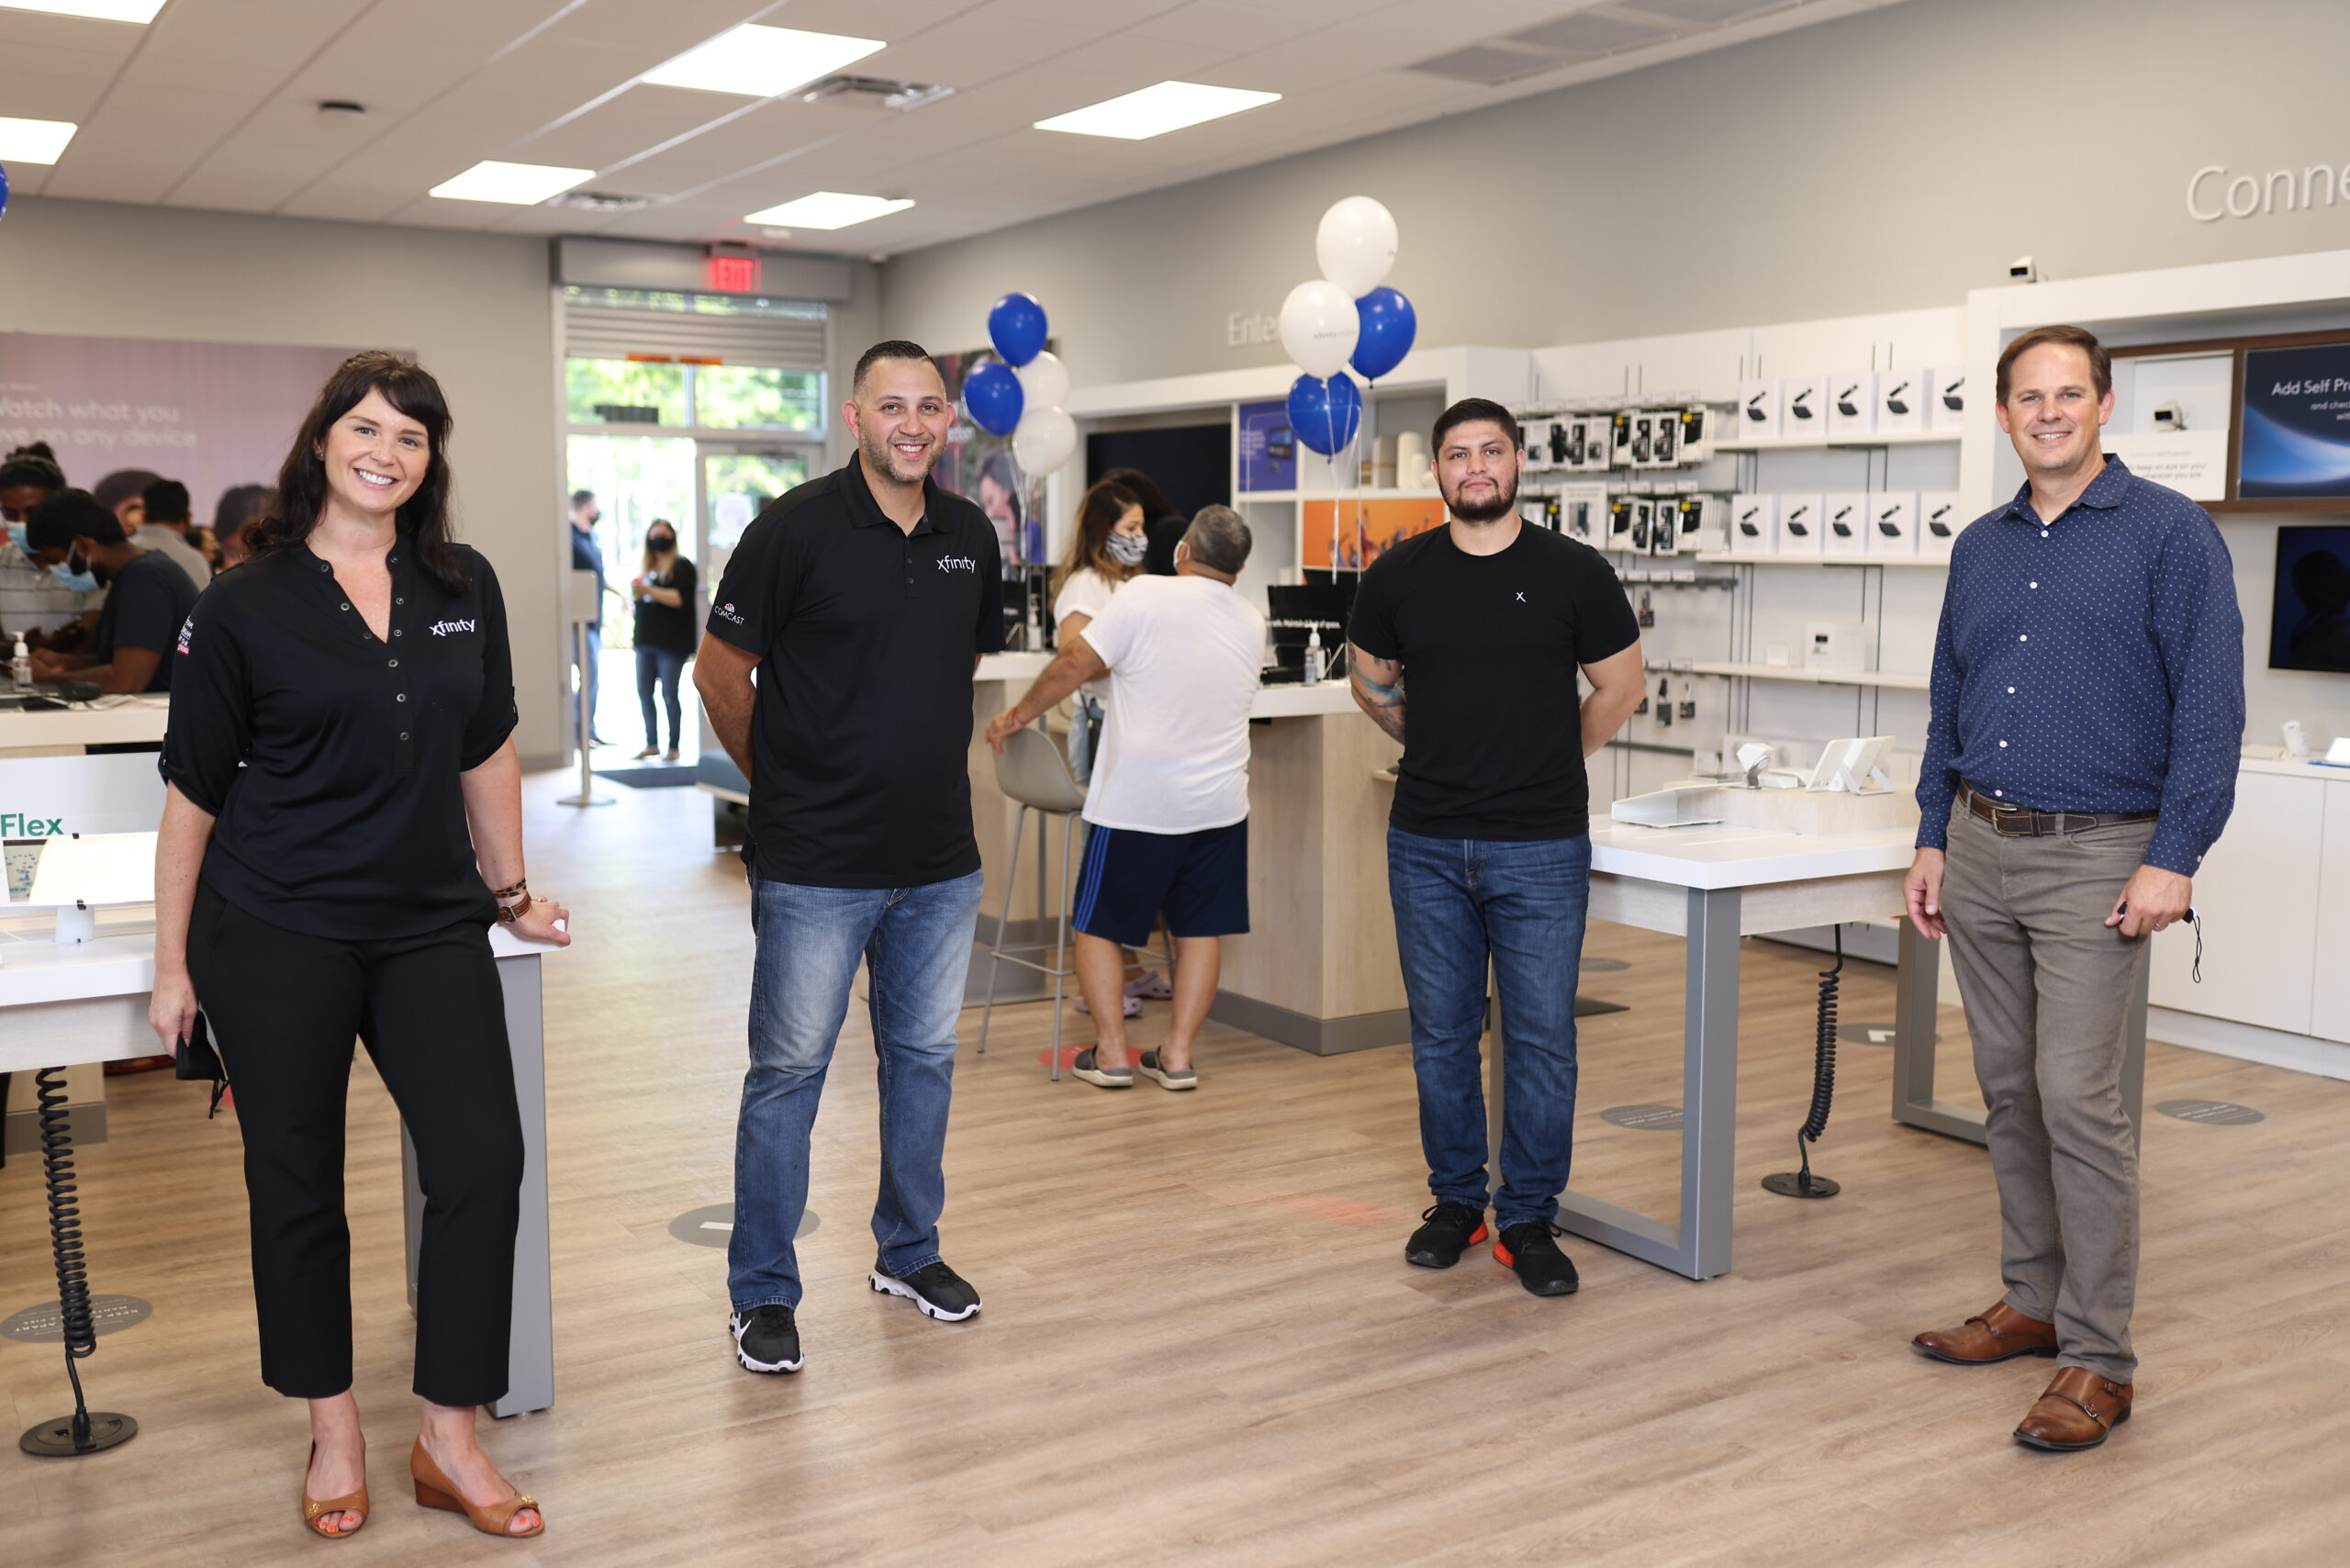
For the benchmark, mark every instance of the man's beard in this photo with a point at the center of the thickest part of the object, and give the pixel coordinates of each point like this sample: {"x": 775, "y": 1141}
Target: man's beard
{"x": 881, "y": 459}
{"x": 1500, "y": 504}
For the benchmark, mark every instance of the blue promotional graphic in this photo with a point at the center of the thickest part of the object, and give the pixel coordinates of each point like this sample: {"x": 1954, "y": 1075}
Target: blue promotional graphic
{"x": 2296, "y": 423}
{"x": 2310, "y": 627}
{"x": 1267, "y": 447}
{"x": 1325, "y": 413}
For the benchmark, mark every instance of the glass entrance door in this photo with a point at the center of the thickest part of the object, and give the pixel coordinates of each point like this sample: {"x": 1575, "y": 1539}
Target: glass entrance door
{"x": 737, "y": 482}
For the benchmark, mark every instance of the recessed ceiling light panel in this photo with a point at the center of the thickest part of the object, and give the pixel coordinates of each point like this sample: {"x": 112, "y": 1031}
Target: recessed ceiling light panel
{"x": 760, "y": 62}
{"x": 140, "y": 11}
{"x": 34, "y": 140}
{"x": 827, "y": 209}
{"x": 521, "y": 184}
{"x": 1155, "y": 111}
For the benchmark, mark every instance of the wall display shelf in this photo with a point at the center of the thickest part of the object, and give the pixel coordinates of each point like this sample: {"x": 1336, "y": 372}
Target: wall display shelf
{"x": 1842, "y": 442}
{"x": 1241, "y": 497}
{"x": 1712, "y": 558}
{"x": 1885, "y": 679}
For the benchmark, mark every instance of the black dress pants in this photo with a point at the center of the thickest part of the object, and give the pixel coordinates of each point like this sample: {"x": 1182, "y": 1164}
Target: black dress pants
{"x": 284, "y": 1007}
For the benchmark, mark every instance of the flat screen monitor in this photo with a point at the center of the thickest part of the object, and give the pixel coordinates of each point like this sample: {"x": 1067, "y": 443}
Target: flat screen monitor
{"x": 2294, "y": 423}
{"x": 1192, "y": 464}
{"x": 2308, "y": 627}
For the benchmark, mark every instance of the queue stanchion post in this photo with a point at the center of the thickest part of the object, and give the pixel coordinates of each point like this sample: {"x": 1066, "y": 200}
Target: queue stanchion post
{"x": 587, "y": 608}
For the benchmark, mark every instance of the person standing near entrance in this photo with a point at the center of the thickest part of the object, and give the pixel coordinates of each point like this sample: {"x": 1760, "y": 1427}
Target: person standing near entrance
{"x": 862, "y": 601}
{"x": 663, "y": 591}
{"x": 587, "y": 556}
{"x": 1483, "y": 622}
{"x": 2086, "y": 713}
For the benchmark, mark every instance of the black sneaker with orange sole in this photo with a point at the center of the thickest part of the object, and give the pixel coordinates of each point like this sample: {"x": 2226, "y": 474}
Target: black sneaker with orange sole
{"x": 1528, "y": 1249}
{"x": 1451, "y": 1230}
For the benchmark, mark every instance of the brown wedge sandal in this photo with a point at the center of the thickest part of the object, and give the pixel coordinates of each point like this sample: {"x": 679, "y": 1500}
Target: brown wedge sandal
{"x": 313, "y": 1511}
{"x": 434, "y": 1490}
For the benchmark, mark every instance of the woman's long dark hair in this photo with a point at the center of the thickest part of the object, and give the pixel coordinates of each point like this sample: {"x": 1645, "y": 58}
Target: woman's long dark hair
{"x": 1089, "y": 542}
{"x": 302, "y": 482}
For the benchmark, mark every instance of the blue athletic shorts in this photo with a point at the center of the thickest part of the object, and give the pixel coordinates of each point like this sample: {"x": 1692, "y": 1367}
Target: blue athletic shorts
{"x": 1125, "y": 877}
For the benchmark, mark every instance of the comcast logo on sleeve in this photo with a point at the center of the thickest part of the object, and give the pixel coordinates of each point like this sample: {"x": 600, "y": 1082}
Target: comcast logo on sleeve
{"x": 727, "y": 612}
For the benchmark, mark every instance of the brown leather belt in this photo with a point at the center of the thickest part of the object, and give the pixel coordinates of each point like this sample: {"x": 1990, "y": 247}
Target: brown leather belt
{"x": 2023, "y": 821}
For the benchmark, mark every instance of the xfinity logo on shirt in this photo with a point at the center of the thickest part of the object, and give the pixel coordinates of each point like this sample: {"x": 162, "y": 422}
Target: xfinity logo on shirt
{"x": 442, "y": 628}
{"x": 958, "y": 564}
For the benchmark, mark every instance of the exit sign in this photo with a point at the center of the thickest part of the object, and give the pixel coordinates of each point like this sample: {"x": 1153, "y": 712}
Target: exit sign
{"x": 735, "y": 275}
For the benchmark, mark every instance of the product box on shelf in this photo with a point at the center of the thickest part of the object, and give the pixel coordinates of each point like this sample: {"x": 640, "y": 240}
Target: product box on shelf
{"x": 1754, "y": 524}
{"x": 1664, "y": 445}
{"x": 1535, "y": 433}
{"x": 1846, "y": 513}
{"x": 1760, "y": 410}
{"x": 1696, "y": 433}
{"x": 1946, "y": 398}
{"x": 1619, "y": 440}
{"x": 1892, "y": 522}
{"x": 1582, "y": 513}
{"x": 1618, "y": 532}
{"x": 1801, "y": 532}
{"x": 1703, "y": 523}
{"x": 1901, "y": 401}
{"x": 1852, "y": 404}
{"x": 1807, "y": 408}
{"x": 1939, "y": 522}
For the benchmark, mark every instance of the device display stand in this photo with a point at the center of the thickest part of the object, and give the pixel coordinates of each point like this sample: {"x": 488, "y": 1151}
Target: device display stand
{"x": 85, "y": 1430}
{"x": 586, "y": 796}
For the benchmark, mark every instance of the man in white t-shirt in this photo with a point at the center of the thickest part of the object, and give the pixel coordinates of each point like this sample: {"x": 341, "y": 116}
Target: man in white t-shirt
{"x": 1168, "y": 813}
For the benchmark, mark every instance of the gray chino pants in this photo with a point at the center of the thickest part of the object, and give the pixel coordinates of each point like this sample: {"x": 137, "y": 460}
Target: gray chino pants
{"x": 2047, "y": 986}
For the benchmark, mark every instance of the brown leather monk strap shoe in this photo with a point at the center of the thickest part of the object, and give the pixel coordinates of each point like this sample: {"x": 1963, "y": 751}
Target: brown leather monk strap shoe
{"x": 2078, "y": 1411}
{"x": 1997, "y": 1335}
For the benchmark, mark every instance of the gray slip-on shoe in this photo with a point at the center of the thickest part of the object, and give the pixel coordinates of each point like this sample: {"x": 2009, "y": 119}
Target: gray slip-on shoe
{"x": 1168, "y": 1077}
{"x": 1102, "y": 1077}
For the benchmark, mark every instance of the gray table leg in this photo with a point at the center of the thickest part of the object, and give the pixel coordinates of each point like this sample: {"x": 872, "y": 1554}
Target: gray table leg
{"x": 1917, "y": 985}
{"x": 1699, "y": 1247}
{"x": 530, "y": 1366}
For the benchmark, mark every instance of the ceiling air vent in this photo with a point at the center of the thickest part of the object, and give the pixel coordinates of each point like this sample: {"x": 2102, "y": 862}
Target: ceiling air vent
{"x": 1708, "y": 13}
{"x": 1586, "y": 33}
{"x": 600, "y": 201}
{"x": 875, "y": 92}
{"x": 1487, "y": 65}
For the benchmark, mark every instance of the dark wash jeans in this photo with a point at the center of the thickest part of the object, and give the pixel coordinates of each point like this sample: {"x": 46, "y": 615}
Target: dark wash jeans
{"x": 1459, "y": 901}
{"x": 917, "y": 945}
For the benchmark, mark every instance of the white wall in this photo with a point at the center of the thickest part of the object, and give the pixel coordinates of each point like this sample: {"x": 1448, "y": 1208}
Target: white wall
{"x": 475, "y": 308}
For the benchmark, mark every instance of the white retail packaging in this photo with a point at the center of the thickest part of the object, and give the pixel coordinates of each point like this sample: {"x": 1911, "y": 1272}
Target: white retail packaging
{"x": 1664, "y": 437}
{"x": 1587, "y": 439}
{"x": 1800, "y": 532}
{"x": 1892, "y": 522}
{"x": 1901, "y": 401}
{"x": 1754, "y": 524}
{"x": 1939, "y": 522}
{"x": 1852, "y": 404}
{"x": 1847, "y": 516}
{"x": 1619, "y": 440}
{"x": 1807, "y": 408}
{"x": 1697, "y": 433}
{"x": 1946, "y": 398}
{"x": 1536, "y": 434}
{"x": 1760, "y": 412}
{"x": 1582, "y": 513}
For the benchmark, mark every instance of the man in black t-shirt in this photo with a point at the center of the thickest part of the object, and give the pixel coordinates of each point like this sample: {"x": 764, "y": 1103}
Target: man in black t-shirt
{"x": 149, "y": 603}
{"x": 862, "y": 600}
{"x": 1484, "y": 622}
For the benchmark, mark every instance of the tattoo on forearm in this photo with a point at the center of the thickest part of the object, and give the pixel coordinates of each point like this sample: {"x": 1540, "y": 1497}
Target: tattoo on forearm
{"x": 1383, "y": 702}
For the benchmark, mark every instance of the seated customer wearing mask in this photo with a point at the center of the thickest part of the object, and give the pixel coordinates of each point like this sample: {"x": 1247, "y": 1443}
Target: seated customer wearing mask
{"x": 84, "y": 546}
{"x": 1168, "y": 813}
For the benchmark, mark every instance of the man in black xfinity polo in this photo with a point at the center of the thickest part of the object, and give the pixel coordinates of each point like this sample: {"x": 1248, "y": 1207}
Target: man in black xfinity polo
{"x": 863, "y": 600}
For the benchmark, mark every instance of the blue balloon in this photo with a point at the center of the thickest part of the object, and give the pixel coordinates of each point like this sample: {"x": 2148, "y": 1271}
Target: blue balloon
{"x": 1016, "y": 327}
{"x": 991, "y": 396}
{"x": 3, "y": 190}
{"x": 1389, "y": 325}
{"x": 1324, "y": 414}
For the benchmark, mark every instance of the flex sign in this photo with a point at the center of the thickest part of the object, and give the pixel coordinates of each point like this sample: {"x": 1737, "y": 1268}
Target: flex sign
{"x": 43, "y": 797}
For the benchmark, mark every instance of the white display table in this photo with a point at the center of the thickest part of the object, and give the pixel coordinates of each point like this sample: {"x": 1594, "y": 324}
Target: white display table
{"x": 64, "y": 1006}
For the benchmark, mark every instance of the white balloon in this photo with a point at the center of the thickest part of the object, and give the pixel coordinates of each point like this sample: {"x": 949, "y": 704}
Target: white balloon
{"x": 1319, "y": 327}
{"x": 1356, "y": 245}
{"x": 1043, "y": 441}
{"x": 1043, "y": 381}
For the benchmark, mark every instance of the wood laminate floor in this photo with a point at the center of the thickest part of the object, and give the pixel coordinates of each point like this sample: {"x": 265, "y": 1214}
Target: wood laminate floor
{"x": 1200, "y": 1345}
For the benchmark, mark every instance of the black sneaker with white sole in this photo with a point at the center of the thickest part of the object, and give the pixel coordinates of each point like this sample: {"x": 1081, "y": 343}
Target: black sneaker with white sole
{"x": 765, "y": 1339}
{"x": 1528, "y": 1249}
{"x": 939, "y": 1291}
{"x": 1451, "y": 1230}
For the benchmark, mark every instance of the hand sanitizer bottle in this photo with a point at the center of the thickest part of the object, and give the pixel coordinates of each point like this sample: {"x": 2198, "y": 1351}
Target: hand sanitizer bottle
{"x": 20, "y": 667}
{"x": 1313, "y": 656}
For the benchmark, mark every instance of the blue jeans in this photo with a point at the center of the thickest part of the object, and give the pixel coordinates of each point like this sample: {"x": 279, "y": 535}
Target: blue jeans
{"x": 918, "y": 943}
{"x": 662, "y": 665}
{"x": 1457, "y": 902}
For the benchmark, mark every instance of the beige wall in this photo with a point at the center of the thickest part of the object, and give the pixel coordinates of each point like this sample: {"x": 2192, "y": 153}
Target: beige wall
{"x": 477, "y": 309}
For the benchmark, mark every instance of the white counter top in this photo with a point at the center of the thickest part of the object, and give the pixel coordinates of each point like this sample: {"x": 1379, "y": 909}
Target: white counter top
{"x": 128, "y": 720}
{"x": 1011, "y": 666}
{"x": 1303, "y": 702}
{"x": 1720, "y": 855}
{"x": 2264, "y": 759}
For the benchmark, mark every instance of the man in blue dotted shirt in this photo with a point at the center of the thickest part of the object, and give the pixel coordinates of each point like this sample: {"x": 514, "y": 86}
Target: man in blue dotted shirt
{"x": 2087, "y": 713}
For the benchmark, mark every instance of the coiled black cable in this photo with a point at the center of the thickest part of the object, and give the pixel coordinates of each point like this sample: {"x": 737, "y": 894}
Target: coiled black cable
{"x": 1823, "y": 1063}
{"x": 65, "y": 1235}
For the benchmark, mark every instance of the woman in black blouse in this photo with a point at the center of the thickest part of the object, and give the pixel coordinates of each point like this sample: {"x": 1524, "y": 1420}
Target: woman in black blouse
{"x": 342, "y": 798}
{"x": 668, "y": 631}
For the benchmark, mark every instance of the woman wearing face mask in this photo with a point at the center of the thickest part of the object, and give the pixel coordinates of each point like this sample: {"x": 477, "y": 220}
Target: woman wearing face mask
{"x": 666, "y": 631}
{"x": 1106, "y": 548}
{"x": 342, "y": 823}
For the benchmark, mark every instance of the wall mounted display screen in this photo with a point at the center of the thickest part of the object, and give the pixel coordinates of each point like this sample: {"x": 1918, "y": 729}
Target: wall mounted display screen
{"x": 2294, "y": 423}
{"x": 2310, "y": 628}
{"x": 1191, "y": 463}
{"x": 1268, "y": 449}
